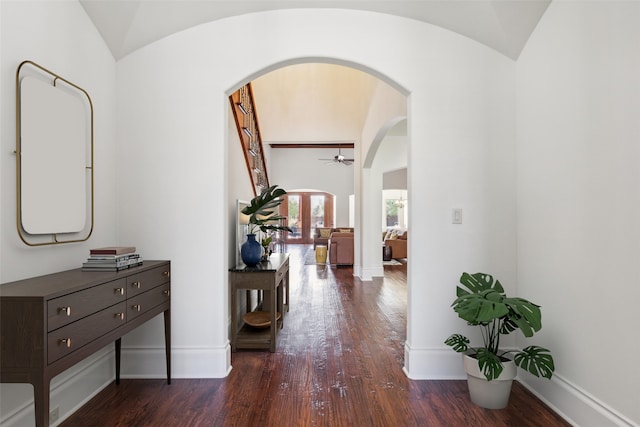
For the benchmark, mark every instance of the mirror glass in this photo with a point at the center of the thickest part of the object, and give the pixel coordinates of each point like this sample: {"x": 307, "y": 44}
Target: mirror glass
{"x": 54, "y": 159}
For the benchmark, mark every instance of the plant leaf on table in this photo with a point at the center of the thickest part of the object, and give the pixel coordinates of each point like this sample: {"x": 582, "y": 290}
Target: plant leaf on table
{"x": 261, "y": 210}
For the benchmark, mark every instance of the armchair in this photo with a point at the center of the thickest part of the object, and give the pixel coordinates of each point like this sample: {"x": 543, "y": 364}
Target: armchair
{"x": 321, "y": 237}
{"x": 341, "y": 248}
{"x": 398, "y": 244}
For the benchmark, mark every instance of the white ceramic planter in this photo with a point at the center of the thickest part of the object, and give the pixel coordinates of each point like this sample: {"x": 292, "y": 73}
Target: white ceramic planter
{"x": 492, "y": 394}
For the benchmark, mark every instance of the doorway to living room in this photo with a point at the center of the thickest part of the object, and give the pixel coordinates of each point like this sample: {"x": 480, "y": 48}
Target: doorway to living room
{"x": 306, "y": 211}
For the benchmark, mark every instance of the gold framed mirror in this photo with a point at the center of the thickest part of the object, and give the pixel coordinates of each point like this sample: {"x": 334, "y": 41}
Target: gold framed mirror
{"x": 54, "y": 158}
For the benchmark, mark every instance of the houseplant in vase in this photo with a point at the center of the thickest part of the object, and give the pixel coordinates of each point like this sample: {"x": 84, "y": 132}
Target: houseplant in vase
{"x": 489, "y": 372}
{"x": 262, "y": 217}
{"x": 266, "y": 242}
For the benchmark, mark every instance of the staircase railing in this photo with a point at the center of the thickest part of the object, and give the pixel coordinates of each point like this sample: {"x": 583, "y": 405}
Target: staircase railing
{"x": 246, "y": 118}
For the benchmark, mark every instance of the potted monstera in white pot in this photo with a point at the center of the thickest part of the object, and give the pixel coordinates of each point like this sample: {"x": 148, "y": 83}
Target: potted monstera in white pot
{"x": 482, "y": 302}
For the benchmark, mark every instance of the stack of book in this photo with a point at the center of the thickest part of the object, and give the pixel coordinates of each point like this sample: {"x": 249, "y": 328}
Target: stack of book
{"x": 112, "y": 258}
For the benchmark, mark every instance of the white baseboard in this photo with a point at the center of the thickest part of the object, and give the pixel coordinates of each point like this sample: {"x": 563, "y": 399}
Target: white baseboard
{"x": 573, "y": 403}
{"x": 69, "y": 390}
{"x": 80, "y": 383}
{"x": 368, "y": 273}
{"x": 186, "y": 362}
{"x": 432, "y": 364}
{"x": 568, "y": 400}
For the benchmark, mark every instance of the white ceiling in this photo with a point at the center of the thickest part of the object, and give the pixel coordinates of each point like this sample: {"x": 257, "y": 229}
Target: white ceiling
{"x": 306, "y": 103}
{"x": 127, "y": 25}
{"x": 283, "y": 96}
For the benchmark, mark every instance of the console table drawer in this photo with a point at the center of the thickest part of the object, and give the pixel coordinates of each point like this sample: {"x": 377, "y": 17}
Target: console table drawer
{"x": 69, "y": 308}
{"x": 70, "y": 338}
{"x": 282, "y": 270}
{"x": 146, "y": 301}
{"x": 142, "y": 282}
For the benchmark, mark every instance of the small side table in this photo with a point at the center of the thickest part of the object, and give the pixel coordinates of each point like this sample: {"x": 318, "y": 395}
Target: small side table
{"x": 321, "y": 254}
{"x": 387, "y": 253}
{"x": 272, "y": 278}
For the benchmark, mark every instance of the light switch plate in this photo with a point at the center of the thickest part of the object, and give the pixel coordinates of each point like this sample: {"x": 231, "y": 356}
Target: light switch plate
{"x": 457, "y": 216}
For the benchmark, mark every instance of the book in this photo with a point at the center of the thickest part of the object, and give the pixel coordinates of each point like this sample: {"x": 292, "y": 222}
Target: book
{"x": 105, "y": 268}
{"x": 113, "y": 250}
{"x": 92, "y": 266}
{"x": 94, "y": 263}
{"x": 112, "y": 258}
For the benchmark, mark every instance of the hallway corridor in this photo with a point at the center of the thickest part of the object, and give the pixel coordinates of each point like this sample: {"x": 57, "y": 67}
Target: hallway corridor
{"x": 338, "y": 362}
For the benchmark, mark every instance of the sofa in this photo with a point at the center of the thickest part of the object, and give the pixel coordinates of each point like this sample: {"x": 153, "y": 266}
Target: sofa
{"x": 397, "y": 240}
{"x": 341, "y": 248}
{"x": 322, "y": 235}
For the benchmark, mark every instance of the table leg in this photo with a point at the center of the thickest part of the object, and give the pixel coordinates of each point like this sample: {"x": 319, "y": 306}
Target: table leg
{"x": 273, "y": 298}
{"x": 286, "y": 281}
{"x": 41, "y": 400}
{"x": 234, "y": 315}
{"x": 118, "y": 343}
{"x": 167, "y": 342}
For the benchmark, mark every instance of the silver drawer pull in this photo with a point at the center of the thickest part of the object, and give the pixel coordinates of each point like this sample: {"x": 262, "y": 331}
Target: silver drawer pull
{"x": 66, "y": 310}
{"x": 119, "y": 291}
{"x": 167, "y": 292}
{"x": 136, "y": 307}
{"x": 120, "y": 316}
{"x": 166, "y": 273}
{"x": 136, "y": 285}
{"x": 66, "y": 341}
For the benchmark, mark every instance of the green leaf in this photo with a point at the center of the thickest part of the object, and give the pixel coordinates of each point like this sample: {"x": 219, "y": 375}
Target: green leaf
{"x": 525, "y": 314}
{"x": 508, "y": 326}
{"x": 261, "y": 210}
{"x": 479, "y": 282}
{"x": 477, "y": 308}
{"x": 263, "y": 204}
{"x": 537, "y": 360}
{"x": 489, "y": 363}
{"x": 458, "y": 342}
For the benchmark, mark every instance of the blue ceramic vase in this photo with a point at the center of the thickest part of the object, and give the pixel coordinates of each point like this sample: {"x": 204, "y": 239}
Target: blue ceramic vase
{"x": 251, "y": 251}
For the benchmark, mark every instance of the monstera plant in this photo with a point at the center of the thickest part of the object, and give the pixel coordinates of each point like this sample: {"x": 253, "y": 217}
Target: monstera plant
{"x": 482, "y": 302}
{"x": 262, "y": 217}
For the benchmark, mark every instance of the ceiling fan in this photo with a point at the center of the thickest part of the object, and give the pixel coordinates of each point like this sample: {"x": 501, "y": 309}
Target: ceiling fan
{"x": 339, "y": 159}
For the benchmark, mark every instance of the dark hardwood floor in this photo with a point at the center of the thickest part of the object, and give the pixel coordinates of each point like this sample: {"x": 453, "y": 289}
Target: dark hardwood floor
{"x": 338, "y": 362}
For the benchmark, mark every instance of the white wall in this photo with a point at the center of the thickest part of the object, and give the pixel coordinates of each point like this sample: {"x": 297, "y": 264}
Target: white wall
{"x": 299, "y": 168}
{"x": 388, "y": 107}
{"x": 579, "y": 204}
{"x": 60, "y": 37}
{"x": 172, "y": 141}
{"x": 391, "y": 154}
{"x": 173, "y": 134}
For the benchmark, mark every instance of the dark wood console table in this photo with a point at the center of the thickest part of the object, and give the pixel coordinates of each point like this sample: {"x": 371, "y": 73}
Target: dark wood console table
{"x": 272, "y": 278}
{"x": 50, "y": 323}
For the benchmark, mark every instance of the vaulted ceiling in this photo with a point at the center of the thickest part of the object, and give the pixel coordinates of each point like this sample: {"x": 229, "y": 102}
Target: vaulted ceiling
{"x": 305, "y": 103}
{"x": 313, "y": 104}
{"x": 127, "y": 25}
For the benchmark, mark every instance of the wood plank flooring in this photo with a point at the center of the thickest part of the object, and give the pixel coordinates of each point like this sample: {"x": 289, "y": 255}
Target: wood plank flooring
{"x": 338, "y": 362}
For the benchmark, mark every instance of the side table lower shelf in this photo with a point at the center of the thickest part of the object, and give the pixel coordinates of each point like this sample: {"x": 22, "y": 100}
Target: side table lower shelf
{"x": 249, "y": 337}
{"x": 271, "y": 279}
